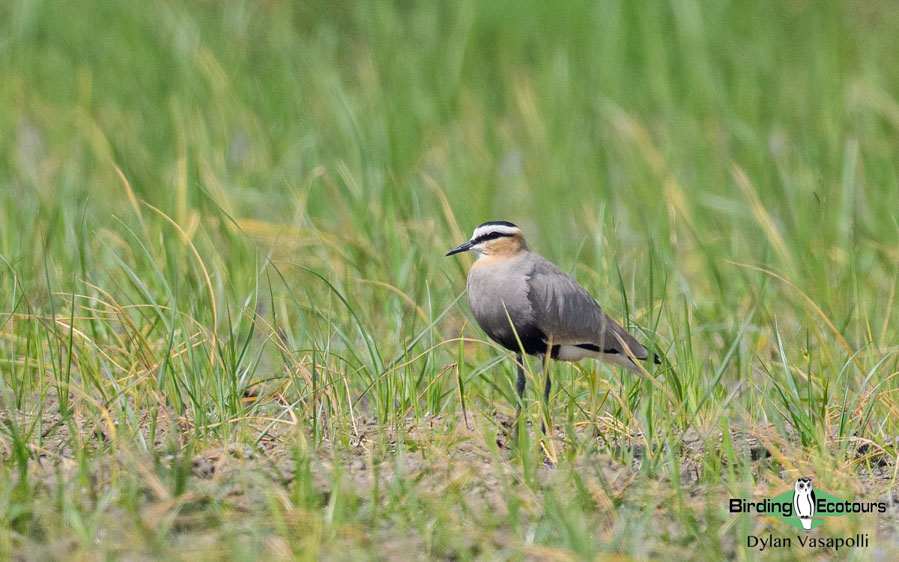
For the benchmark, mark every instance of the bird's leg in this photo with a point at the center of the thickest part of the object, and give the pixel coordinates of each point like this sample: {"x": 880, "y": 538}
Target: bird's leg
{"x": 519, "y": 388}
{"x": 519, "y": 384}
{"x": 546, "y": 390}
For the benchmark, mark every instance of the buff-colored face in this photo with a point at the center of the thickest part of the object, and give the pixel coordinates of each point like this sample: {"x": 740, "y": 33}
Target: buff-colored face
{"x": 500, "y": 247}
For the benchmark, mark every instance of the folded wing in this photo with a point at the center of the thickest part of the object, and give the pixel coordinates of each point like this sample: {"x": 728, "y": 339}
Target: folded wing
{"x": 569, "y": 315}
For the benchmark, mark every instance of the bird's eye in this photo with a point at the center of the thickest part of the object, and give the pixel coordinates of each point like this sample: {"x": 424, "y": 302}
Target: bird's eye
{"x": 489, "y": 236}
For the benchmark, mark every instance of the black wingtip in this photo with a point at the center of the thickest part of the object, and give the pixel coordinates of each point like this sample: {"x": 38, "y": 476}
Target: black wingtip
{"x": 656, "y": 359}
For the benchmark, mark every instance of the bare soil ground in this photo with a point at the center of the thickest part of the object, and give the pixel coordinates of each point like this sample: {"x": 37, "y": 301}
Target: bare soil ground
{"x": 440, "y": 457}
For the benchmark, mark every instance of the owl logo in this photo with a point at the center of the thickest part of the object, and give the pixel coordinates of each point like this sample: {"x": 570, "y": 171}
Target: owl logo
{"x": 804, "y": 502}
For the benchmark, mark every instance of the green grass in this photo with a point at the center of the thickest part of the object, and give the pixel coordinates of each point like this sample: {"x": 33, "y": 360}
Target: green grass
{"x": 227, "y": 327}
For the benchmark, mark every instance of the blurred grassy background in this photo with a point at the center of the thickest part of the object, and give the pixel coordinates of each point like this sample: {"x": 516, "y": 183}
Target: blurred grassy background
{"x": 226, "y": 213}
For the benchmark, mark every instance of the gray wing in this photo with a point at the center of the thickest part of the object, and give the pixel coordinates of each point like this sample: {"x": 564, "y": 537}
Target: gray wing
{"x": 569, "y": 315}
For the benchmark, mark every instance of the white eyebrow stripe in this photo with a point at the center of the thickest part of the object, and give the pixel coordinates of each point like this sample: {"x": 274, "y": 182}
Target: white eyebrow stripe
{"x": 502, "y": 229}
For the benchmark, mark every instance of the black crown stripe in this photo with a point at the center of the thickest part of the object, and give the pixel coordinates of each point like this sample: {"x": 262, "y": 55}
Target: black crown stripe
{"x": 498, "y": 223}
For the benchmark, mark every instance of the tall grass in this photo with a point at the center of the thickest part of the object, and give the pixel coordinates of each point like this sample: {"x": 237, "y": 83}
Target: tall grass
{"x": 226, "y": 324}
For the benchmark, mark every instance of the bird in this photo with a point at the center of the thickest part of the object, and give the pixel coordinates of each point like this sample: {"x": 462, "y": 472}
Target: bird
{"x": 804, "y": 502}
{"x": 529, "y": 305}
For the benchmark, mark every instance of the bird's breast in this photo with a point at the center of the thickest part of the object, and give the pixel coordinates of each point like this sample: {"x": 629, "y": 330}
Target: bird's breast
{"x": 498, "y": 298}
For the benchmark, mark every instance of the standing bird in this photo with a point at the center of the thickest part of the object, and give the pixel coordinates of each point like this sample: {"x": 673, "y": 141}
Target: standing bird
{"x": 513, "y": 291}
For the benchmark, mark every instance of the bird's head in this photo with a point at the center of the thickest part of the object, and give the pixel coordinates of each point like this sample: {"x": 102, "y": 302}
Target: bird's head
{"x": 493, "y": 238}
